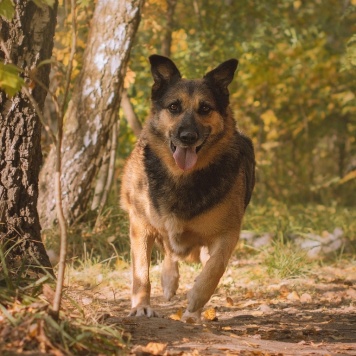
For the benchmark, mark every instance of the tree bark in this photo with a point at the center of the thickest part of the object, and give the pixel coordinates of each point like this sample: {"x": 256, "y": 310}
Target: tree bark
{"x": 92, "y": 109}
{"x": 167, "y": 37}
{"x": 28, "y": 40}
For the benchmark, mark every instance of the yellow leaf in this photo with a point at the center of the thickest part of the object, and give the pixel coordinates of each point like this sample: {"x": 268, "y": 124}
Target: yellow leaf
{"x": 229, "y": 302}
{"x": 297, "y": 4}
{"x": 210, "y": 314}
{"x": 129, "y": 78}
{"x": 120, "y": 264}
{"x": 269, "y": 117}
{"x": 349, "y": 176}
{"x": 33, "y": 330}
{"x": 177, "y": 315}
{"x": 155, "y": 348}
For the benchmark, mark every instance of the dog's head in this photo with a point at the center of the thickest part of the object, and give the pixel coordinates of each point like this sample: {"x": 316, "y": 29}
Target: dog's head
{"x": 189, "y": 115}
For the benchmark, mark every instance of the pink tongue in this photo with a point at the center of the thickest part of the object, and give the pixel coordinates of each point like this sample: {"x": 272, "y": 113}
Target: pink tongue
{"x": 185, "y": 157}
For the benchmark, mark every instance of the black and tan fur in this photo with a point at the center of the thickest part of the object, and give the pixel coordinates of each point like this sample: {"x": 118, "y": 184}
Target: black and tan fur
{"x": 187, "y": 183}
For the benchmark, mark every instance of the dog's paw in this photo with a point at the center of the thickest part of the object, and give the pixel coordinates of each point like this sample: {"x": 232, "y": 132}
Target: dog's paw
{"x": 143, "y": 311}
{"x": 196, "y": 298}
{"x": 169, "y": 285}
{"x": 192, "y": 318}
{"x": 169, "y": 280}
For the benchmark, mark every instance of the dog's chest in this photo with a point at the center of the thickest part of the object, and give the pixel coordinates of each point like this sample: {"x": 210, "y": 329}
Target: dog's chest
{"x": 178, "y": 238}
{"x": 193, "y": 194}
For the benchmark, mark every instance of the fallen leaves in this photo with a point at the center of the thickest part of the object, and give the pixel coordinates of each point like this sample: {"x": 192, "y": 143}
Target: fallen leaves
{"x": 152, "y": 348}
{"x": 229, "y": 302}
{"x": 48, "y": 293}
{"x": 177, "y": 315}
{"x": 210, "y": 314}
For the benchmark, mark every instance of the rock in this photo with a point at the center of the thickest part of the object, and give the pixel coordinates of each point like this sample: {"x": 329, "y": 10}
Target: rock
{"x": 305, "y": 298}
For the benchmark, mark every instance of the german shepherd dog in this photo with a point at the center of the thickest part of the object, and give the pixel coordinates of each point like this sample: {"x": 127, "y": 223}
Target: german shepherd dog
{"x": 187, "y": 183}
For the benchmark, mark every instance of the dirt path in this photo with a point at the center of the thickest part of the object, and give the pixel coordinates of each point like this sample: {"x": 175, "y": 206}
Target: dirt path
{"x": 255, "y": 315}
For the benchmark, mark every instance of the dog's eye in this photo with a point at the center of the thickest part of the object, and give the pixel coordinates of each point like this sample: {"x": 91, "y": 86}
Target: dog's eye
{"x": 205, "y": 109}
{"x": 174, "y": 108}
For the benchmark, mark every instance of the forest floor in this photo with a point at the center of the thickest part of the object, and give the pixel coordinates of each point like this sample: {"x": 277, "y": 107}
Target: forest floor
{"x": 289, "y": 289}
{"x": 250, "y": 313}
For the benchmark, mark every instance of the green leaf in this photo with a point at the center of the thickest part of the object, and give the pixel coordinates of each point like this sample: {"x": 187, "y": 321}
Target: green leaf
{"x": 351, "y": 52}
{"x": 10, "y": 80}
{"x": 7, "y": 9}
{"x": 41, "y": 3}
{"x": 84, "y": 3}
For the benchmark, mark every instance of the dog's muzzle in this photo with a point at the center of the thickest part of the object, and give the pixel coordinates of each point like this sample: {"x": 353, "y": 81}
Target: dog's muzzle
{"x": 184, "y": 154}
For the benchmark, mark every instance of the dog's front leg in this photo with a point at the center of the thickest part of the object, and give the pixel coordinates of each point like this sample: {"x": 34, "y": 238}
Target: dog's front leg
{"x": 207, "y": 281}
{"x": 142, "y": 240}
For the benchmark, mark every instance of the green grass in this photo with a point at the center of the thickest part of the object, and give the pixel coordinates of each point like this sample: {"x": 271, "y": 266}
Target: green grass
{"x": 278, "y": 218}
{"x": 285, "y": 260}
{"x": 109, "y": 239}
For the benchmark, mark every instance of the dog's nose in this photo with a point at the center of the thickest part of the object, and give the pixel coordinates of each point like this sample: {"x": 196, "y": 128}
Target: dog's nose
{"x": 188, "y": 137}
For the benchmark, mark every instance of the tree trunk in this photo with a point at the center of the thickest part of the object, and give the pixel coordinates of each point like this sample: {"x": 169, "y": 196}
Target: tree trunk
{"x": 92, "y": 109}
{"x": 28, "y": 39}
{"x": 167, "y": 37}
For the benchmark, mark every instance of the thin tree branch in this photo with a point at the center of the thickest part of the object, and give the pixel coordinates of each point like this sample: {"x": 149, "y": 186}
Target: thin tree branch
{"x": 130, "y": 114}
{"x": 71, "y": 59}
{"x": 101, "y": 180}
{"x": 26, "y": 91}
{"x": 58, "y": 189}
{"x": 111, "y": 171}
{"x": 4, "y": 49}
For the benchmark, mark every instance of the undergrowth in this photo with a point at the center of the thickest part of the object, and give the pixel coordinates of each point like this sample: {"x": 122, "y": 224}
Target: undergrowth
{"x": 276, "y": 217}
{"x": 98, "y": 256}
{"x": 106, "y": 239}
{"x": 27, "y": 325}
{"x": 110, "y": 239}
{"x": 285, "y": 260}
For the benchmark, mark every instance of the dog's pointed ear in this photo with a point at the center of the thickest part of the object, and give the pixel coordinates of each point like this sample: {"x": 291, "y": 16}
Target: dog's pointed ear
{"x": 222, "y": 75}
{"x": 163, "y": 70}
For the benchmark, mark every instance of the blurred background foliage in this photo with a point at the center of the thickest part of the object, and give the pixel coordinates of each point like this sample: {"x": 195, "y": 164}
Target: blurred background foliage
{"x": 294, "y": 93}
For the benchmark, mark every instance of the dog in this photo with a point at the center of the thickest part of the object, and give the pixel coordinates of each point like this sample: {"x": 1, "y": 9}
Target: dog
{"x": 187, "y": 183}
